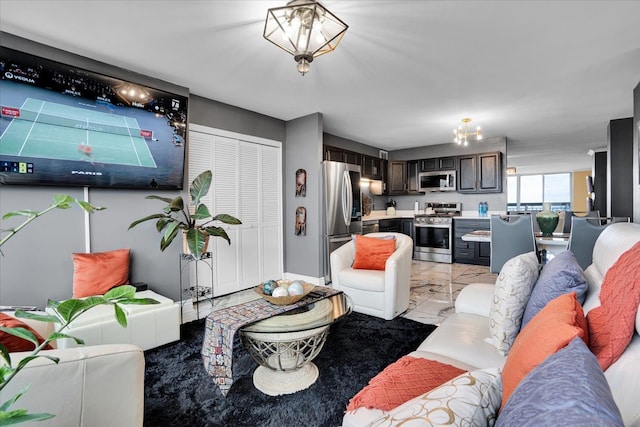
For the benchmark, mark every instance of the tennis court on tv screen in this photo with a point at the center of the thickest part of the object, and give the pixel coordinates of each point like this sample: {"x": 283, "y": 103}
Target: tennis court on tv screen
{"x": 44, "y": 129}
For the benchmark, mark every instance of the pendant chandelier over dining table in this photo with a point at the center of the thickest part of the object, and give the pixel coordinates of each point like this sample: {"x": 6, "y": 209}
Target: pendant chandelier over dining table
{"x": 461, "y": 135}
{"x": 305, "y": 29}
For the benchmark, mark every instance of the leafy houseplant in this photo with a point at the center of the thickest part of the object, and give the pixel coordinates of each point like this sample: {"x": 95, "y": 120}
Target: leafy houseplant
{"x": 177, "y": 217}
{"x": 64, "y": 313}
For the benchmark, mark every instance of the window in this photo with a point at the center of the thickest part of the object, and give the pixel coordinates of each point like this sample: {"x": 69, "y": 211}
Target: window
{"x": 529, "y": 192}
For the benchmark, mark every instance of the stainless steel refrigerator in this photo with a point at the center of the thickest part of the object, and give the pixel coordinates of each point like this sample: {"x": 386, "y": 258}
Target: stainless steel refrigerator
{"x": 342, "y": 207}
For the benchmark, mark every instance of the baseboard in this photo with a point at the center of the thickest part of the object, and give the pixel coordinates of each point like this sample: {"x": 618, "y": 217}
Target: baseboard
{"x": 319, "y": 281}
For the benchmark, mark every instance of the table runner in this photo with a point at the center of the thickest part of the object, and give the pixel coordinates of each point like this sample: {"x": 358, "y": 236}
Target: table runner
{"x": 221, "y": 326}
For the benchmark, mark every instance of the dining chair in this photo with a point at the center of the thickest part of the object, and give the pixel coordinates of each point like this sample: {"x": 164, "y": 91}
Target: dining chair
{"x": 511, "y": 235}
{"x": 568, "y": 215}
{"x": 583, "y": 236}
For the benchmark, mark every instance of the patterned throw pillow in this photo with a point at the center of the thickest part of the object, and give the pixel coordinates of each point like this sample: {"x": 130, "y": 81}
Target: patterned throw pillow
{"x": 471, "y": 399}
{"x": 512, "y": 291}
{"x": 403, "y": 380}
{"x": 559, "y": 276}
{"x": 611, "y": 324}
{"x": 580, "y": 393}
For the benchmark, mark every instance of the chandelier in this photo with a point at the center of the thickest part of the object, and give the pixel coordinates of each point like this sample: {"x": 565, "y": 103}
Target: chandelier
{"x": 305, "y": 29}
{"x": 461, "y": 136}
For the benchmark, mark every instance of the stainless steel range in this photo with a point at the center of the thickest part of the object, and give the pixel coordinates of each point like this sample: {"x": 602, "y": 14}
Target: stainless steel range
{"x": 434, "y": 232}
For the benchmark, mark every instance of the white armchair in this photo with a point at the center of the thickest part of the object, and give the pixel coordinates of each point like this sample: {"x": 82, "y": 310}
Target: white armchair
{"x": 380, "y": 293}
{"x": 91, "y": 386}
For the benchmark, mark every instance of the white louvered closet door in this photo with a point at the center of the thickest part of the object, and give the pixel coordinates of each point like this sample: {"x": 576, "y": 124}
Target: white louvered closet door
{"x": 247, "y": 184}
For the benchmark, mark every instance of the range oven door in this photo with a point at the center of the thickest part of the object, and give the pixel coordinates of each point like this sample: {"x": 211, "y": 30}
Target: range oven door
{"x": 434, "y": 238}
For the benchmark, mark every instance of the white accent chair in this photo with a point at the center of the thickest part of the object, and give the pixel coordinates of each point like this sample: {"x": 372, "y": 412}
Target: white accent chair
{"x": 91, "y": 386}
{"x": 380, "y": 293}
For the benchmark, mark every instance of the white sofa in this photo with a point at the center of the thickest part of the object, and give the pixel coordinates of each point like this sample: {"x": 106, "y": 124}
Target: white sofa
{"x": 381, "y": 293}
{"x": 463, "y": 339}
{"x": 91, "y": 386}
{"x": 148, "y": 326}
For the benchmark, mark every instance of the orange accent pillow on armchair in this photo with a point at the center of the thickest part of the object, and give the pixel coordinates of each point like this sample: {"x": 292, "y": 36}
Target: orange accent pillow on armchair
{"x": 372, "y": 253}
{"x": 13, "y": 343}
{"x": 96, "y": 273}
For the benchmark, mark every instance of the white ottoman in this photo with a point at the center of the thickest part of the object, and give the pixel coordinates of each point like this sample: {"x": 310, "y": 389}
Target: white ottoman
{"x": 148, "y": 326}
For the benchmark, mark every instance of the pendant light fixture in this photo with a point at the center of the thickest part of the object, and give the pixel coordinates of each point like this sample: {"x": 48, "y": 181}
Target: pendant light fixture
{"x": 305, "y": 29}
{"x": 461, "y": 136}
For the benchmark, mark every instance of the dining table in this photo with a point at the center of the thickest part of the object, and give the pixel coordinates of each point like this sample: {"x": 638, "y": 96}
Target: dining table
{"x": 553, "y": 244}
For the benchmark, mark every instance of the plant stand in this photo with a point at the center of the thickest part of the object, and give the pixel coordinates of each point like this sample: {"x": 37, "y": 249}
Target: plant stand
{"x": 196, "y": 292}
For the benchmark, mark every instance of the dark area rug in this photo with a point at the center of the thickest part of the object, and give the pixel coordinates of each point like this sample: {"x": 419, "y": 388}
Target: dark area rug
{"x": 179, "y": 392}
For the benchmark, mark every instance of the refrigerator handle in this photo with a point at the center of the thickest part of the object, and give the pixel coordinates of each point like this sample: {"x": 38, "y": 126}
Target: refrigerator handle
{"x": 347, "y": 198}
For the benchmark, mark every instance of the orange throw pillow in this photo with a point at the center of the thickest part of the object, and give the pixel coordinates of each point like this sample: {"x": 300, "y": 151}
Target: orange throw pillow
{"x": 372, "y": 253}
{"x": 13, "y": 343}
{"x": 560, "y": 321}
{"x": 611, "y": 324}
{"x": 403, "y": 380}
{"x": 96, "y": 273}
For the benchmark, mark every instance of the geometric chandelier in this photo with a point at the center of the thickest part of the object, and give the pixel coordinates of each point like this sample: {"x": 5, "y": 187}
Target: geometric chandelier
{"x": 461, "y": 136}
{"x": 305, "y": 29}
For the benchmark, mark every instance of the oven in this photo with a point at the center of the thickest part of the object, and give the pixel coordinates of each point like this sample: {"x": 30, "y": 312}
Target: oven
{"x": 434, "y": 232}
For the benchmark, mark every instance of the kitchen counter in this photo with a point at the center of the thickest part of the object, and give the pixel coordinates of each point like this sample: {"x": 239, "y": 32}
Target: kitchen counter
{"x": 378, "y": 215}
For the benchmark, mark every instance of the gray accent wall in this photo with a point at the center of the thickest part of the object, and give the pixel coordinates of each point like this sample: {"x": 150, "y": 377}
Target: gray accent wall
{"x": 303, "y": 254}
{"x": 37, "y": 264}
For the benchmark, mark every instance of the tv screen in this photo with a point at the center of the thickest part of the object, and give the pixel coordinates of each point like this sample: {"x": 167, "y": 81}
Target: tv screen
{"x": 66, "y": 126}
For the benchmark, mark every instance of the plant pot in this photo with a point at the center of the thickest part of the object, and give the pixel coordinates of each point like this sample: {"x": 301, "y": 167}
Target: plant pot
{"x": 547, "y": 220}
{"x": 185, "y": 244}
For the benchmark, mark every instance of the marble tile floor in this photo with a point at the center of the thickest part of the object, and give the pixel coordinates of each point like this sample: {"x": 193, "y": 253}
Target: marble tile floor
{"x": 434, "y": 287}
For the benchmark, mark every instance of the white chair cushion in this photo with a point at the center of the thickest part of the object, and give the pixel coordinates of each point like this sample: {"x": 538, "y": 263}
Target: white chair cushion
{"x": 366, "y": 280}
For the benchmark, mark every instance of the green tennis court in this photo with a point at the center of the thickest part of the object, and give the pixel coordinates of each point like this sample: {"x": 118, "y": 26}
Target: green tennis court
{"x": 56, "y": 131}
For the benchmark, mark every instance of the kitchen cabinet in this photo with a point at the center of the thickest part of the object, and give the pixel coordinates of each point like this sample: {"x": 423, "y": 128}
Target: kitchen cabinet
{"x": 371, "y": 167}
{"x": 477, "y": 253}
{"x": 413, "y": 183}
{"x": 408, "y": 229}
{"x": 336, "y": 154}
{"x": 392, "y": 225}
{"x": 480, "y": 173}
{"x": 438, "y": 164}
{"x": 397, "y": 183}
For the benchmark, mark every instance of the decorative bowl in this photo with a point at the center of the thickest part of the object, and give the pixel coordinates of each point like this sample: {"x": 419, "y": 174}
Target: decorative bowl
{"x": 308, "y": 287}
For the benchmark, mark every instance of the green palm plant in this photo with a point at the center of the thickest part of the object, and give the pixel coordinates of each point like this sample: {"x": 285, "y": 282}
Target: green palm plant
{"x": 196, "y": 224}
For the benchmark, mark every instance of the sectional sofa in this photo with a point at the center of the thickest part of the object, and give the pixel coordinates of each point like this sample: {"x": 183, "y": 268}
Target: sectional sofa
{"x": 464, "y": 340}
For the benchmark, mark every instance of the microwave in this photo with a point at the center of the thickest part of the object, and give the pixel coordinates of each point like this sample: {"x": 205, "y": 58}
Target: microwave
{"x": 437, "y": 181}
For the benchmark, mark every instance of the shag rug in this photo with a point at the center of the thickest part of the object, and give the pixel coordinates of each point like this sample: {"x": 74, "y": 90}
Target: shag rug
{"x": 179, "y": 392}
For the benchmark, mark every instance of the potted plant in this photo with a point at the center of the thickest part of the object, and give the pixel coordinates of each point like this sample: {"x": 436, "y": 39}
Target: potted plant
{"x": 195, "y": 222}
{"x": 65, "y": 313}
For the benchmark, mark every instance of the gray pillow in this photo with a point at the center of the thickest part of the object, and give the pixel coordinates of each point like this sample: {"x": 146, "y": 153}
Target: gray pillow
{"x": 559, "y": 276}
{"x": 567, "y": 389}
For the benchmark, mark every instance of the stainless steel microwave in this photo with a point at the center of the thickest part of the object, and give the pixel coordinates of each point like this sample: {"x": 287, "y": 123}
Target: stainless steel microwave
{"x": 437, "y": 181}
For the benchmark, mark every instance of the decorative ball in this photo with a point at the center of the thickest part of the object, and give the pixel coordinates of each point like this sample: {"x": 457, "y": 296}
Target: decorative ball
{"x": 296, "y": 288}
{"x": 280, "y": 292}
{"x": 269, "y": 286}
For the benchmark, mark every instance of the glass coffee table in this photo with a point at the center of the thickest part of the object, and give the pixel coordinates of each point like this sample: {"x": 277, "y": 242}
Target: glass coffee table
{"x": 285, "y": 345}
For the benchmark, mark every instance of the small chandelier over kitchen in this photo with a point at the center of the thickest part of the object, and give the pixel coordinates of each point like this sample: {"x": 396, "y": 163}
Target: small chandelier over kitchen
{"x": 461, "y": 136}
{"x": 305, "y": 29}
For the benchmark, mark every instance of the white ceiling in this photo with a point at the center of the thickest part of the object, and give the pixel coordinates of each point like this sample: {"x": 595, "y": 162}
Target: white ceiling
{"x": 548, "y": 75}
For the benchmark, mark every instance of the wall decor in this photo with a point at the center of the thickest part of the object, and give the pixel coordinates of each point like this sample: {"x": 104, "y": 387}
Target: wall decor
{"x": 301, "y": 221}
{"x": 301, "y": 183}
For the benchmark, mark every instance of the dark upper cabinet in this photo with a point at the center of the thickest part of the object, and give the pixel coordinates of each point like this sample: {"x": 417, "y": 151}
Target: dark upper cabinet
{"x": 397, "y": 182}
{"x": 412, "y": 176}
{"x": 438, "y": 164}
{"x": 480, "y": 173}
{"x": 371, "y": 167}
{"x": 336, "y": 154}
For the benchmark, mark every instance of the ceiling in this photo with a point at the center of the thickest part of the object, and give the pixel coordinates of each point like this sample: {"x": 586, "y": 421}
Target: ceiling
{"x": 548, "y": 75}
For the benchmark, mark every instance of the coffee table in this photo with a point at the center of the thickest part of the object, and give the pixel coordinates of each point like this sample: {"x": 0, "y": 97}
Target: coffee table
{"x": 285, "y": 345}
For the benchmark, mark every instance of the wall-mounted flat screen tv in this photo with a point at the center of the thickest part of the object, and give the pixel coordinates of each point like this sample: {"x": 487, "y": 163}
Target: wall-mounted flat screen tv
{"x": 66, "y": 126}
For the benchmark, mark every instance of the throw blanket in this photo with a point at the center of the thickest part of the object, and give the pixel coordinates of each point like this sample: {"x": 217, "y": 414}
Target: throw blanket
{"x": 221, "y": 326}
